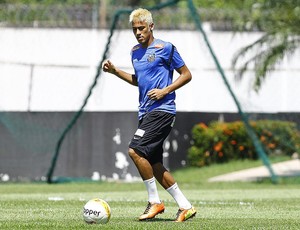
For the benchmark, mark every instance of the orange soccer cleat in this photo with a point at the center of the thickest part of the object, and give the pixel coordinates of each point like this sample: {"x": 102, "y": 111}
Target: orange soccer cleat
{"x": 185, "y": 214}
{"x": 152, "y": 210}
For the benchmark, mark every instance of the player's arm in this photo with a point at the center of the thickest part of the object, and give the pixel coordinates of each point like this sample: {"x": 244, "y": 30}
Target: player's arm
{"x": 185, "y": 76}
{"x": 110, "y": 68}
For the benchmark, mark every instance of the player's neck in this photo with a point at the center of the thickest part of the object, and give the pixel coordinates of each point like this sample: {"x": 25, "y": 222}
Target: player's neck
{"x": 147, "y": 44}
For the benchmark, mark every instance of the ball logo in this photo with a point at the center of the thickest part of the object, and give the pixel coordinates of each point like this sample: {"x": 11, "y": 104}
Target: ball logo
{"x": 91, "y": 212}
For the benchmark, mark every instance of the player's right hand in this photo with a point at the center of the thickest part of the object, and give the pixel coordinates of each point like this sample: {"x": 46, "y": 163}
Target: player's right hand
{"x": 108, "y": 66}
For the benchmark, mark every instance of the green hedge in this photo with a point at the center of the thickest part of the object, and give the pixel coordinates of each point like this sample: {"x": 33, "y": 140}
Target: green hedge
{"x": 221, "y": 142}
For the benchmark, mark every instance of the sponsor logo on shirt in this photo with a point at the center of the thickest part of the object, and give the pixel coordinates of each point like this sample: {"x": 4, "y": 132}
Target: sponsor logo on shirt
{"x": 159, "y": 46}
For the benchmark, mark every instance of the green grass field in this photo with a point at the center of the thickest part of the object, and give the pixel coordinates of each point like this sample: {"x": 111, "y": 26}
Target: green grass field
{"x": 259, "y": 205}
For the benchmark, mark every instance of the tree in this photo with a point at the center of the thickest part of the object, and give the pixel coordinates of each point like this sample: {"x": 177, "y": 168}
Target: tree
{"x": 279, "y": 21}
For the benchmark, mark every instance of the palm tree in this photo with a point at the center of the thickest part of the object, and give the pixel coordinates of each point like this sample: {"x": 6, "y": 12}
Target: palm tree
{"x": 280, "y": 23}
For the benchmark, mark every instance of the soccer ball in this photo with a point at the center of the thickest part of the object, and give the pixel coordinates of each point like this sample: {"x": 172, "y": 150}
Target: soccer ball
{"x": 96, "y": 211}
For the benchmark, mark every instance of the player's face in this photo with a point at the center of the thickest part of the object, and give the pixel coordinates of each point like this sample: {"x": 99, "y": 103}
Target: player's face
{"x": 142, "y": 32}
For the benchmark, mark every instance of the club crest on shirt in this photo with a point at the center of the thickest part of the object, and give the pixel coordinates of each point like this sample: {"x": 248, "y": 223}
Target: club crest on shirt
{"x": 151, "y": 57}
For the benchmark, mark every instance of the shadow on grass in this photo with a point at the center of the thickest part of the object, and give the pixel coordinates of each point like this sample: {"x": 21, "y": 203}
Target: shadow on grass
{"x": 158, "y": 220}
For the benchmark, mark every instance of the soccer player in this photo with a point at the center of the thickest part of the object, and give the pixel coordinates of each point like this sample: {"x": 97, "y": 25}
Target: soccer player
{"x": 154, "y": 61}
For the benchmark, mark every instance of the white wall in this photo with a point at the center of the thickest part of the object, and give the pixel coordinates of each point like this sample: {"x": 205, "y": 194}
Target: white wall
{"x": 52, "y": 70}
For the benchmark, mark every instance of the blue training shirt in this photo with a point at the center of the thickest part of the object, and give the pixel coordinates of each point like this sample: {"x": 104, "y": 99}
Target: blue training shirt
{"x": 152, "y": 71}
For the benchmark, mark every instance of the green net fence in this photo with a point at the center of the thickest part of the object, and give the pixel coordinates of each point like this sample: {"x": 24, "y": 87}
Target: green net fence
{"x": 55, "y": 137}
{"x": 197, "y": 20}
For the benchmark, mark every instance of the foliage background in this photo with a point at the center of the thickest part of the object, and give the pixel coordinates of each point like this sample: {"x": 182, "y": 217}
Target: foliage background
{"x": 221, "y": 142}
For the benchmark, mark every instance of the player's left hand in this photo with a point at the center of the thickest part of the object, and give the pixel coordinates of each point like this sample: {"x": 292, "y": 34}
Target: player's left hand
{"x": 156, "y": 94}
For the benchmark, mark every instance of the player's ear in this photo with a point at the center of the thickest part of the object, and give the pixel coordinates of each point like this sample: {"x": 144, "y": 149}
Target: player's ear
{"x": 151, "y": 26}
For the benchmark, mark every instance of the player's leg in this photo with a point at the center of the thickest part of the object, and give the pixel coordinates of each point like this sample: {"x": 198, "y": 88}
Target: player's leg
{"x": 142, "y": 164}
{"x": 149, "y": 137}
{"x": 164, "y": 177}
{"x": 146, "y": 172}
{"x": 155, "y": 206}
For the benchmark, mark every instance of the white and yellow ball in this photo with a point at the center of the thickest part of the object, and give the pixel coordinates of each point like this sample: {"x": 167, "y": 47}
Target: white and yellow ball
{"x": 96, "y": 211}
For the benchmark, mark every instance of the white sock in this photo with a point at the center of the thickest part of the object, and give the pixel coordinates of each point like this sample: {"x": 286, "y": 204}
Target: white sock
{"x": 178, "y": 196}
{"x": 152, "y": 191}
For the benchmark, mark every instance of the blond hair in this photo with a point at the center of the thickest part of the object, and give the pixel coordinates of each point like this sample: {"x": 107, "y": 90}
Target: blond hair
{"x": 141, "y": 15}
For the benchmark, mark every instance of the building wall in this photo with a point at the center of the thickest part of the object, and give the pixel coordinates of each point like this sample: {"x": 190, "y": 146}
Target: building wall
{"x": 52, "y": 70}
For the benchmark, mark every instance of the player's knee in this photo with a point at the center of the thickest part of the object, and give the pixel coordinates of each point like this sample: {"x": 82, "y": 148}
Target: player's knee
{"x": 132, "y": 153}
